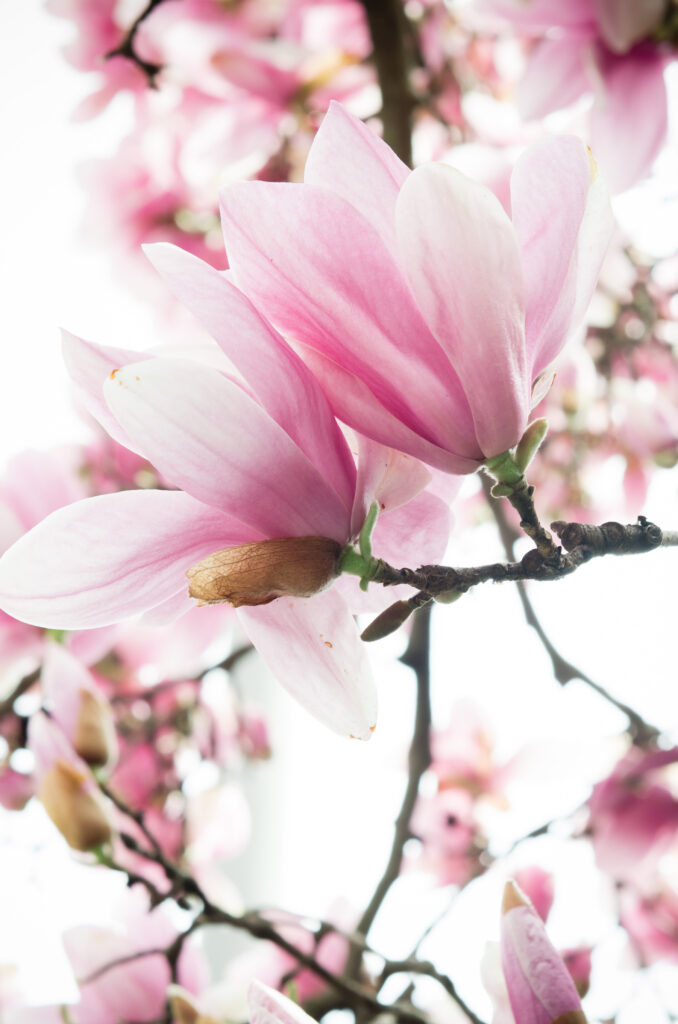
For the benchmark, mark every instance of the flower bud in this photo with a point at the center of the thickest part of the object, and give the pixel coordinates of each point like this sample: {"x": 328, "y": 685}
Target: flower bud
{"x": 78, "y": 707}
{"x": 257, "y": 573}
{"x": 540, "y": 988}
{"x": 183, "y": 1007}
{"x": 76, "y": 810}
{"x": 66, "y": 788}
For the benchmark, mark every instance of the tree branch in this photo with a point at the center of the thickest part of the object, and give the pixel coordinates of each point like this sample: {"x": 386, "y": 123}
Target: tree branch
{"x": 415, "y": 657}
{"x": 7, "y": 703}
{"x": 388, "y": 28}
{"x": 564, "y": 671}
{"x": 126, "y": 47}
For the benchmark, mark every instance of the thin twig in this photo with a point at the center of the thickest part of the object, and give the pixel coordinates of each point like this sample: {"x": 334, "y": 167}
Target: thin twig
{"x": 260, "y": 928}
{"x": 7, "y": 703}
{"x": 126, "y": 47}
{"x": 427, "y": 968}
{"x": 415, "y": 657}
{"x": 641, "y": 731}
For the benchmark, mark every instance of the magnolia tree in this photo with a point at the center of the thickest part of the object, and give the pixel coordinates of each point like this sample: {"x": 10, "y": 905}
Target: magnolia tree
{"x": 422, "y": 322}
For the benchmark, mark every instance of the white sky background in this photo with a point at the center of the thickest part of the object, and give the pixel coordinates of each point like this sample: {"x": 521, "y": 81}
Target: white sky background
{"x": 326, "y": 830}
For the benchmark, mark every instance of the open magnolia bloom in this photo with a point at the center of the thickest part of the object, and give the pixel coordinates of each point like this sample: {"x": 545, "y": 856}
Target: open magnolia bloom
{"x": 270, "y": 494}
{"x": 424, "y": 311}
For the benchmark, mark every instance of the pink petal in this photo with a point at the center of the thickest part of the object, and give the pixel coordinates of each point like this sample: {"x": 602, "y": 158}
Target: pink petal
{"x": 386, "y": 476}
{"x": 354, "y": 403}
{"x": 350, "y": 160}
{"x": 555, "y": 76}
{"x": 209, "y": 437}
{"x": 629, "y": 117}
{"x": 280, "y": 380}
{"x": 413, "y": 534}
{"x": 312, "y": 647}
{"x": 89, "y": 365}
{"x": 625, "y": 22}
{"x": 461, "y": 257}
{"x": 549, "y": 194}
{"x": 110, "y": 557}
{"x": 321, "y": 272}
{"x": 539, "y": 986}
{"x": 270, "y": 1007}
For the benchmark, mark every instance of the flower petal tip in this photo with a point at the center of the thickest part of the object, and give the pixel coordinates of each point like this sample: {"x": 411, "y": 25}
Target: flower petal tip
{"x": 513, "y": 897}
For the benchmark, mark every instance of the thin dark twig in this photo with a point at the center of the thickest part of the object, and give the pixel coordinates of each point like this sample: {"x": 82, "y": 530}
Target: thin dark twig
{"x": 415, "y": 657}
{"x": 148, "y": 692}
{"x": 7, "y": 703}
{"x": 258, "y": 927}
{"x": 641, "y": 731}
{"x": 126, "y": 47}
{"x": 413, "y": 966}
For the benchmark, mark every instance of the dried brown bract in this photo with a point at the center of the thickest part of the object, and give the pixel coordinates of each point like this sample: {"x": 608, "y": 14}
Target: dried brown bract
{"x": 258, "y": 573}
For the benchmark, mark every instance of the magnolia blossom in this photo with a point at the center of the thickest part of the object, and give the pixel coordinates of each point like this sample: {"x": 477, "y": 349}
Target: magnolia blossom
{"x": 634, "y": 814}
{"x": 607, "y": 50}
{"x": 423, "y": 310}
{"x": 263, "y": 467}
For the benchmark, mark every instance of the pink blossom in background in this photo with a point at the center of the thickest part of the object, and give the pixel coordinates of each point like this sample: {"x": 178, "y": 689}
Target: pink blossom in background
{"x": 451, "y": 838}
{"x": 634, "y": 815}
{"x": 136, "y": 990}
{"x": 651, "y": 920}
{"x": 538, "y": 886}
{"x": 362, "y": 269}
{"x": 99, "y": 31}
{"x": 604, "y": 50}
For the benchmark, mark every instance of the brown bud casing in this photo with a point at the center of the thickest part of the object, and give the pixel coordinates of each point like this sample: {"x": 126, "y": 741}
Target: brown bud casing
{"x": 571, "y": 1017}
{"x": 76, "y": 812}
{"x": 94, "y": 737}
{"x": 184, "y": 1009}
{"x": 258, "y": 573}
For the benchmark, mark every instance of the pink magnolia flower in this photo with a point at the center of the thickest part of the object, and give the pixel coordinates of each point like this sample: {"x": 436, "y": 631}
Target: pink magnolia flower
{"x": 540, "y": 988}
{"x": 423, "y": 310}
{"x": 634, "y": 814}
{"x": 651, "y": 919}
{"x": 256, "y": 462}
{"x": 603, "y": 49}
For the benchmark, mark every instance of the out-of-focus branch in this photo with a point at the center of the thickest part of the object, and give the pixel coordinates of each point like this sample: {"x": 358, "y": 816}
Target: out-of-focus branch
{"x": 126, "y": 47}
{"x": 353, "y": 994}
{"x": 415, "y": 657}
{"x": 24, "y": 684}
{"x": 389, "y": 31}
{"x": 564, "y": 671}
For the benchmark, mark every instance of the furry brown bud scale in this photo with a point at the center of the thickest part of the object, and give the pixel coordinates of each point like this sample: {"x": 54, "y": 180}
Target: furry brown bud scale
{"x": 77, "y": 812}
{"x": 258, "y": 573}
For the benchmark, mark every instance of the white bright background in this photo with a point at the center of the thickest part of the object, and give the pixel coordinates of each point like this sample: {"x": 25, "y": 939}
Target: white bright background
{"x": 324, "y": 807}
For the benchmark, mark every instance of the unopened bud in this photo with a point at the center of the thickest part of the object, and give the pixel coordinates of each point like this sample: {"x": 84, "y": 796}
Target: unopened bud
{"x": 389, "y": 620}
{"x": 529, "y": 443}
{"x": 94, "y": 735}
{"x": 183, "y": 1007}
{"x": 77, "y": 811}
{"x": 257, "y": 573}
